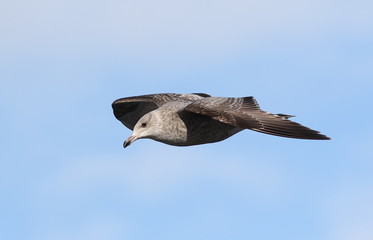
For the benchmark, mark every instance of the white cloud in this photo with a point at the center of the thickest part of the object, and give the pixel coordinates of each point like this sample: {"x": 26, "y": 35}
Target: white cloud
{"x": 171, "y": 27}
{"x": 350, "y": 212}
{"x": 156, "y": 173}
{"x": 97, "y": 229}
{"x": 53, "y": 48}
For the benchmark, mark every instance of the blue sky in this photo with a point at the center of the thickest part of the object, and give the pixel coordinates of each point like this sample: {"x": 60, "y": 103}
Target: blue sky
{"x": 65, "y": 175}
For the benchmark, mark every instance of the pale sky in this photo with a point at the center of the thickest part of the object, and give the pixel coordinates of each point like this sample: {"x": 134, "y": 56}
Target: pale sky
{"x": 65, "y": 175}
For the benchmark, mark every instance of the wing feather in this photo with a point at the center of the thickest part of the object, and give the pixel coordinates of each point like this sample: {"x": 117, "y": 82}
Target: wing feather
{"x": 130, "y": 109}
{"x": 246, "y": 113}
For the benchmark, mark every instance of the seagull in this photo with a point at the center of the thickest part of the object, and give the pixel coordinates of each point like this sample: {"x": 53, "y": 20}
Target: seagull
{"x": 198, "y": 118}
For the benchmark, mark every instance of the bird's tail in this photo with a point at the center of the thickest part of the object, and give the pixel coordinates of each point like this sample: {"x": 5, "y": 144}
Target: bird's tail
{"x": 279, "y": 125}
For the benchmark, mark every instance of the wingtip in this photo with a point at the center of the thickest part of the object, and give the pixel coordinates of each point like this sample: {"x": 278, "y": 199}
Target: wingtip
{"x": 320, "y": 136}
{"x": 116, "y": 102}
{"x": 117, "y": 109}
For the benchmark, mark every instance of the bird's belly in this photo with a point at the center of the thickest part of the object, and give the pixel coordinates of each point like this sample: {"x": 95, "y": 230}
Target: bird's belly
{"x": 214, "y": 135}
{"x": 201, "y": 129}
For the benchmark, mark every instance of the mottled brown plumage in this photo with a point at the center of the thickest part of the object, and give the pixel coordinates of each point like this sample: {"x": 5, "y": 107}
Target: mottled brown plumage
{"x": 191, "y": 119}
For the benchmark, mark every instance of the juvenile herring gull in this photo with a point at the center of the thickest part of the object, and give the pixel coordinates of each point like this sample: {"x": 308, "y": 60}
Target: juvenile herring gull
{"x": 198, "y": 118}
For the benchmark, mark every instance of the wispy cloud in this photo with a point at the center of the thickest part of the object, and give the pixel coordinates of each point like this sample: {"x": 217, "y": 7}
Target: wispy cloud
{"x": 155, "y": 173}
{"x": 94, "y": 229}
{"x": 174, "y": 27}
{"x": 350, "y": 211}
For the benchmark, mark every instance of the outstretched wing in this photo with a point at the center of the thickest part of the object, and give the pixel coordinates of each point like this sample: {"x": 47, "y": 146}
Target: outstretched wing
{"x": 246, "y": 113}
{"x": 129, "y": 110}
{"x": 233, "y": 111}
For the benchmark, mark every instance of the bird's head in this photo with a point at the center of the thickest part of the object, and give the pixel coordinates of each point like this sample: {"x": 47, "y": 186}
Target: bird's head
{"x": 146, "y": 127}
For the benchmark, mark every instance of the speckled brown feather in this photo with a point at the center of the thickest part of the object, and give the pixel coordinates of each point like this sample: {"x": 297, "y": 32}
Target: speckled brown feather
{"x": 191, "y": 119}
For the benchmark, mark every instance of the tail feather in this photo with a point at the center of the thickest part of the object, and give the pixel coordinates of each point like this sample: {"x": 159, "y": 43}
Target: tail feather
{"x": 279, "y": 125}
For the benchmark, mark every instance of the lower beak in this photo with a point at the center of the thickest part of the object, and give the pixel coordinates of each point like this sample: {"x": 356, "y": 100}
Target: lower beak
{"x": 129, "y": 141}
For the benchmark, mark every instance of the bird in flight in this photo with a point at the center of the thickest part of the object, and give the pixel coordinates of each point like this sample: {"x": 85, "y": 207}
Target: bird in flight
{"x": 198, "y": 118}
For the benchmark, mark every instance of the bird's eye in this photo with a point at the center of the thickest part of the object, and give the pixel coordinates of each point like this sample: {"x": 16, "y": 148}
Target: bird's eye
{"x": 143, "y": 124}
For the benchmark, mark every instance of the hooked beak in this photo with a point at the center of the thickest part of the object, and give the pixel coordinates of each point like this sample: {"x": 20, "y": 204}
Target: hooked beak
{"x": 129, "y": 141}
